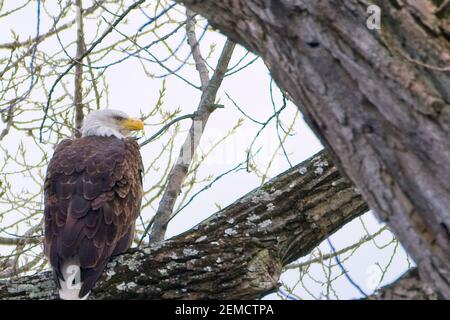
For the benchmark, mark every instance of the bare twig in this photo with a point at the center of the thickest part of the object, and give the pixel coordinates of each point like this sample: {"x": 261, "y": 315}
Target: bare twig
{"x": 78, "y": 94}
{"x": 165, "y": 127}
{"x": 442, "y": 7}
{"x": 88, "y": 51}
{"x": 200, "y": 64}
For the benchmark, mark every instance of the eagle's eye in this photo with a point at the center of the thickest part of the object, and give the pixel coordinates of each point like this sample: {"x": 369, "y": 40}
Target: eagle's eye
{"x": 118, "y": 118}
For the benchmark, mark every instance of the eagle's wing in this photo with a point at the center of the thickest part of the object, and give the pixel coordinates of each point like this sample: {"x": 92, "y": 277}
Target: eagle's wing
{"x": 93, "y": 193}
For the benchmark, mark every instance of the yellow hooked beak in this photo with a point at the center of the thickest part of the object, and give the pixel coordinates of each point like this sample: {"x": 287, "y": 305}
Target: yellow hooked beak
{"x": 133, "y": 124}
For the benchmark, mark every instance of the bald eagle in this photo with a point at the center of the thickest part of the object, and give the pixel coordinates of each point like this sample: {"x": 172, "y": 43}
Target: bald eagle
{"x": 93, "y": 193}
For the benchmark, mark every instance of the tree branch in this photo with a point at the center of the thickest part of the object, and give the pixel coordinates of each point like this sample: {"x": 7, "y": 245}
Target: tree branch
{"x": 200, "y": 63}
{"x": 179, "y": 171}
{"x": 78, "y": 91}
{"x": 238, "y": 252}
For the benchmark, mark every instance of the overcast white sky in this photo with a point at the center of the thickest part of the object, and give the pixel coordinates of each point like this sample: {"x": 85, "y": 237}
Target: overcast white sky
{"x": 131, "y": 90}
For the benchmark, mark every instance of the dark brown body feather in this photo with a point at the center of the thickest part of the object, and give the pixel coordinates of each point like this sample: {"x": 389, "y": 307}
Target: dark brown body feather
{"x": 93, "y": 193}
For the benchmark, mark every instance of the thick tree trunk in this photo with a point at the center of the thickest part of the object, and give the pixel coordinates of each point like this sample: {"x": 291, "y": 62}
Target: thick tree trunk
{"x": 236, "y": 253}
{"x": 379, "y": 100}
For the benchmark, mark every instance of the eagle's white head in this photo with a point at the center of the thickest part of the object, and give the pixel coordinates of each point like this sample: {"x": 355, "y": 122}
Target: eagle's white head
{"x": 110, "y": 123}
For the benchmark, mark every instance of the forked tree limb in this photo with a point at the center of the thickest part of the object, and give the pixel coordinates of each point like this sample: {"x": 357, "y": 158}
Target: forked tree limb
{"x": 180, "y": 169}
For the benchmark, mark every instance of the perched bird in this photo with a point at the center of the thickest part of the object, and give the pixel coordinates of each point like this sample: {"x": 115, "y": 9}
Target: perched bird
{"x": 93, "y": 193}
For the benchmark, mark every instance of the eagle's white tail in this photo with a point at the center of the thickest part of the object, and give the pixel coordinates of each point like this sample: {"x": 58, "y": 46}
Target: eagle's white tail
{"x": 71, "y": 286}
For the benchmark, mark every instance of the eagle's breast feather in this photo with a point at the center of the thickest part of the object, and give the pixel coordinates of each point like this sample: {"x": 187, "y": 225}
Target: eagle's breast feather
{"x": 93, "y": 193}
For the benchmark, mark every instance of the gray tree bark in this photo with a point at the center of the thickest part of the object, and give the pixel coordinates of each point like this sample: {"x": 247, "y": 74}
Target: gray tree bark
{"x": 237, "y": 253}
{"x": 408, "y": 287}
{"x": 378, "y": 99}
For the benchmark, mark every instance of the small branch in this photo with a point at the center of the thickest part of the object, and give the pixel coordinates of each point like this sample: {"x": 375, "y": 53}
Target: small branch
{"x": 6, "y": 241}
{"x": 12, "y": 272}
{"x": 78, "y": 94}
{"x": 179, "y": 171}
{"x": 442, "y": 7}
{"x": 25, "y": 239}
{"x": 200, "y": 64}
{"x": 165, "y": 127}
